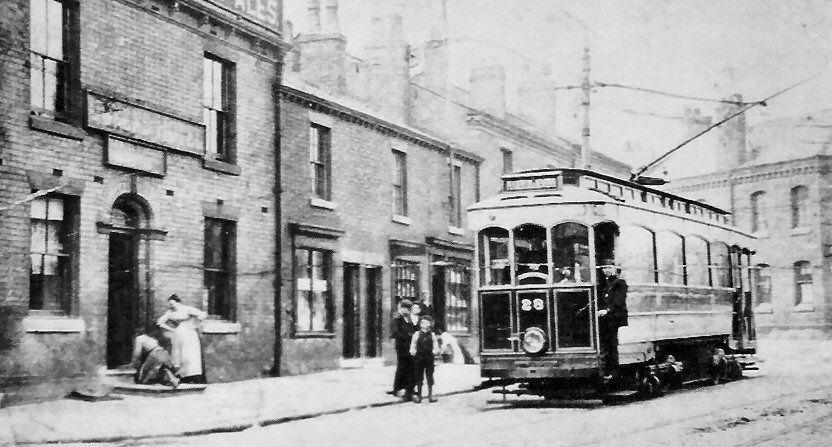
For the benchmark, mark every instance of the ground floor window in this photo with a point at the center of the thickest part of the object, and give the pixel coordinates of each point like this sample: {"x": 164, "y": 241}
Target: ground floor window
{"x": 219, "y": 272}
{"x": 313, "y": 290}
{"x": 803, "y": 284}
{"x": 51, "y": 247}
{"x": 405, "y": 280}
{"x": 458, "y": 298}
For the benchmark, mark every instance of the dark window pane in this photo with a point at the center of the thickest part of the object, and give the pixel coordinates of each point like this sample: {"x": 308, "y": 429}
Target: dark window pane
{"x": 573, "y": 319}
{"x": 531, "y": 264}
{"x": 496, "y": 321}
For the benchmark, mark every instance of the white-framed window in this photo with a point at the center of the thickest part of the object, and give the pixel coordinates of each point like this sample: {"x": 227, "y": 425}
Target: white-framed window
{"x": 51, "y": 250}
{"x": 313, "y": 291}
{"x": 320, "y": 139}
{"x": 217, "y": 107}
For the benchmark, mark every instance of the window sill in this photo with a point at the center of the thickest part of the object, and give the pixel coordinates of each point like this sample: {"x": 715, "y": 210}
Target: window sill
{"x": 764, "y": 308}
{"x": 49, "y": 125}
{"x": 399, "y": 219}
{"x": 804, "y": 308}
{"x": 801, "y": 230}
{"x": 221, "y": 166}
{"x": 46, "y": 324}
{"x": 321, "y": 203}
{"x": 314, "y": 334}
{"x": 220, "y": 327}
{"x": 456, "y": 230}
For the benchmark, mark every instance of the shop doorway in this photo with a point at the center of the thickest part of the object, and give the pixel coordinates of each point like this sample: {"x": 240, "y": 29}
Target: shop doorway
{"x": 352, "y": 323}
{"x": 373, "y": 312}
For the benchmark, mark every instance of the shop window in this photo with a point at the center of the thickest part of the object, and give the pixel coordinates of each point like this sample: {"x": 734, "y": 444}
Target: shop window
{"x": 219, "y": 274}
{"x": 458, "y": 299}
{"x": 494, "y": 260}
{"x": 405, "y": 280}
{"x": 570, "y": 253}
{"x": 313, "y": 291}
{"x": 51, "y": 249}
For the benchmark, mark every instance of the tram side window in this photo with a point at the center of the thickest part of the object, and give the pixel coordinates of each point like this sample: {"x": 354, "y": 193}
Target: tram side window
{"x": 530, "y": 254}
{"x": 720, "y": 266}
{"x": 670, "y": 257}
{"x": 634, "y": 251}
{"x": 570, "y": 253}
{"x": 494, "y": 262}
{"x": 696, "y": 251}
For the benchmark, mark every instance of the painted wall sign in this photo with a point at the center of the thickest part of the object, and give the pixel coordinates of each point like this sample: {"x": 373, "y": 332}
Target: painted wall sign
{"x": 265, "y": 12}
{"x": 133, "y": 121}
{"x": 131, "y": 155}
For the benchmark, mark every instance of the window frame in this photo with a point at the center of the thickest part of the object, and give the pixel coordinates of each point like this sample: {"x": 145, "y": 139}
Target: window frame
{"x": 329, "y": 304}
{"x": 68, "y": 232}
{"x": 456, "y": 195}
{"x": 400, "y": 202}
{"x": 224, "y": 141}
{"x": 801, "y": 279}
{"x": 461, "y": 290}
{"x": 508, "y": 161}
{"x": 398, "y": 268}
{"x": 67, "y": 78}
{"x": 757, "y": 199}
{"x": 320, "y": 158}
{"x": 799, "y": 200}
{"x": 227, "y": 246}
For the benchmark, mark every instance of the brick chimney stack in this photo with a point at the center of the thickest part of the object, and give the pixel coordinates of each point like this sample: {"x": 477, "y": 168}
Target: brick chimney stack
{"x": 488, "y": 89}
{"x": 732, "y": 134}
{"x": 323, "y": 49}
{"x": 387, "y": 56}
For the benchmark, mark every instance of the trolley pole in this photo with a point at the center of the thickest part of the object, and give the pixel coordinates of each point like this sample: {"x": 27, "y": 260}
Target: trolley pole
{"x": 586, "y": 151}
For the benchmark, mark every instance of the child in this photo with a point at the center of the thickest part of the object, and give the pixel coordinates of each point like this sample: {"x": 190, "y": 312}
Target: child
{"x": 423, "y": 346}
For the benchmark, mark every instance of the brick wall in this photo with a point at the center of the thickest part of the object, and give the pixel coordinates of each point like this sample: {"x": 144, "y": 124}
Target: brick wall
{"x": 151, "y": 55}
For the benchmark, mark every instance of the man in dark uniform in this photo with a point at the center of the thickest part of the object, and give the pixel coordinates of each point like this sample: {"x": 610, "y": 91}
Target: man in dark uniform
{"x": 612, "y": 316}
{"x": 401, "y": 331}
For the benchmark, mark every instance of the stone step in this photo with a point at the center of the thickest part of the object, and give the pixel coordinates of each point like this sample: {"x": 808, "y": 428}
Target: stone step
{"x": 158, "y": 390}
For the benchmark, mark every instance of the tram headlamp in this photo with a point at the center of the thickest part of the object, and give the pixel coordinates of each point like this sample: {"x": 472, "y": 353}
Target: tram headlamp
{"x": 534, "y": 340}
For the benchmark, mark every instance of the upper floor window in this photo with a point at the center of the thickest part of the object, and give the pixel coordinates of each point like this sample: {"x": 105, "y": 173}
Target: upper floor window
{"x": 456, "y": 195}
{"x": 320, "y": 161}
{"x": 508, "y": 161}
{"x": 217, "y": 107}
{"x": 400, "y": 184}
{"x": 759, "y": 219}
{"x": 219, "y": 274}
{"x": 803, "y": 284}
{"x": 48, "y": 63}
{"x": 51, "y": 251}
{"x": 799, "y": 205}
{"x": 313, "y": 291}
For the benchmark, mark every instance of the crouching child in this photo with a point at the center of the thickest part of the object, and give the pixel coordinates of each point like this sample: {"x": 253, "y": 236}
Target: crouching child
{"x": 423, "y": 347}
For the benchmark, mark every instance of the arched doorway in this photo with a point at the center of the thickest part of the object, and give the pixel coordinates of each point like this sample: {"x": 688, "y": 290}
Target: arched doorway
{"x": 127, "y": 310}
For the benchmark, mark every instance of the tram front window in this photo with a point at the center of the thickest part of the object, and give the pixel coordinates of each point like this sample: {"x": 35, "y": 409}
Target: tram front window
{"x": 494, "y": 261}
{"x": 530, "y": 254}
{"x": 570, "y": 253}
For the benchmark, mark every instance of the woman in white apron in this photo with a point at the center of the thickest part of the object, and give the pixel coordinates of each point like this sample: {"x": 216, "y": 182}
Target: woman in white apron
{"x": 181, "y": 322}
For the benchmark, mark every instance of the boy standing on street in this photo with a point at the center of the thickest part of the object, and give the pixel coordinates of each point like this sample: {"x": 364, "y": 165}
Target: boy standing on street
{"x": 423, "y": 346}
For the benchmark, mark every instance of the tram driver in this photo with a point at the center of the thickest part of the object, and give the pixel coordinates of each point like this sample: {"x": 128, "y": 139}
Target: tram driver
{"x": 612, "y": 316}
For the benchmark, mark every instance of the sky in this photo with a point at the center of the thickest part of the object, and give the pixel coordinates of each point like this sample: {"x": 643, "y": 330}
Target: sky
{"x": 700, "y": 48}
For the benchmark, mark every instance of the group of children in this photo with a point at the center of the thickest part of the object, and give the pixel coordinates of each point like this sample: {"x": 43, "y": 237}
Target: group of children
{"x": 416, "y": 346}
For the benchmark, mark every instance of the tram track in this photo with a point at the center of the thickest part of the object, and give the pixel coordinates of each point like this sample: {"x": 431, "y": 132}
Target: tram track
{"x": 719, "y": 409}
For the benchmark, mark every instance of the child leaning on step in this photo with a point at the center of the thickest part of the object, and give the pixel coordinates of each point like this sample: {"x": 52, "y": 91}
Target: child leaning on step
{"x": 423, "y": 346}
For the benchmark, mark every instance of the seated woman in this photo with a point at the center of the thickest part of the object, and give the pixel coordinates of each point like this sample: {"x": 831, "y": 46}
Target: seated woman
{"x": 152, "y": 363}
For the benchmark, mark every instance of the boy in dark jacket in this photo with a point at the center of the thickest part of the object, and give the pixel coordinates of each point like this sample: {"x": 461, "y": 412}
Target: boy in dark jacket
{"x": 423, "y": 346}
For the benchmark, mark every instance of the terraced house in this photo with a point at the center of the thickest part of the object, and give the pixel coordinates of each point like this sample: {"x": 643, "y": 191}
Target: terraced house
{"x": 137, "y": 160}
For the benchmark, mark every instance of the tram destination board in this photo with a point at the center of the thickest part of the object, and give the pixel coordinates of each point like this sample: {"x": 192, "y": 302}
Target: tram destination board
{"x": 522, "y": 184}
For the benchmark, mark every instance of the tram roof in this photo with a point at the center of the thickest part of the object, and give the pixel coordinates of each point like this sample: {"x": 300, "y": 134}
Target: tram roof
{"x": 531, "y": 188}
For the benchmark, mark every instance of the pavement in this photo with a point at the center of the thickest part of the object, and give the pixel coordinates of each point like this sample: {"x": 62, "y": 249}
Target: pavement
{"x": 222, "y": 407}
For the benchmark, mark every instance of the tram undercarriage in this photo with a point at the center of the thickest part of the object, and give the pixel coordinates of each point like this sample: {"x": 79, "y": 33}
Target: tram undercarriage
{"x": 677, "y": 363}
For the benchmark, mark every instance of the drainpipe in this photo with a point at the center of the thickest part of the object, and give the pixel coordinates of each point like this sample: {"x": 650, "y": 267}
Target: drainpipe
{"x": 278, "y": 229}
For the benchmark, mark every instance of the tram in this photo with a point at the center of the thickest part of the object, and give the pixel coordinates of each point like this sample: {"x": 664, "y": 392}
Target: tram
{"x": 539, "y": 240}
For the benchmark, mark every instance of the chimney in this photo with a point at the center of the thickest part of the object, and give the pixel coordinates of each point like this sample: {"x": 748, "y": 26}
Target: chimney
{"x": 387, "y": 58}
{"x": 323, "y": 51}
{"x": 488, "y": 89}
{"x": 537, "y": 97}
{"x": 732, "y": 134}
{"x": 291, "y": 60}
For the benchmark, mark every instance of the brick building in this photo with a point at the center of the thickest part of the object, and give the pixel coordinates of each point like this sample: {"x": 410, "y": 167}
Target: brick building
{"x": 137, "y": 160}
{"x": 352, "y": 131}
{"x": 776, "y": 182}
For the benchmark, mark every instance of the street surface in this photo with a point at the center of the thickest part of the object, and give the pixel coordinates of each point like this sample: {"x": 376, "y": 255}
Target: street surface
{"x": 787, "y": 402}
